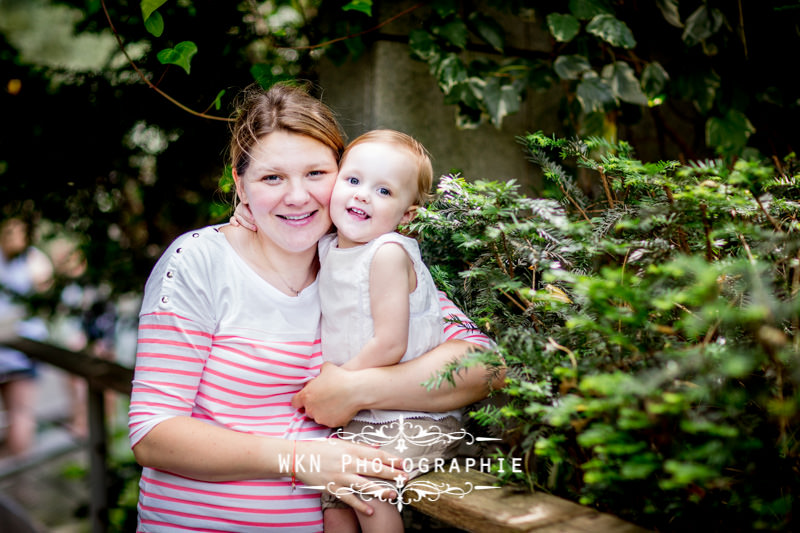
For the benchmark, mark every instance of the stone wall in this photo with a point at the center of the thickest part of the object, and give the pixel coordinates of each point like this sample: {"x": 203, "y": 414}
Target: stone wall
{"x": 386, "y": 88}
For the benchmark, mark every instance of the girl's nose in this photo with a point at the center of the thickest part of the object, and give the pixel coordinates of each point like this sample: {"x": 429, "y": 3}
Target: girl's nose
{"x": 361, "y": 195}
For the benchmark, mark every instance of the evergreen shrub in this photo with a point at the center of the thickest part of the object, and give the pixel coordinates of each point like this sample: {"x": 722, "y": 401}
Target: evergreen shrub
{"x": 648, "y": 314}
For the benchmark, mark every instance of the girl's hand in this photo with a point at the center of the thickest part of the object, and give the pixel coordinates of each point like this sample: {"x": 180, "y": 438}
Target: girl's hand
{"x": 328, "y": 399}
{"x": 343, "y": 464}
{"x": 243, "y": 217}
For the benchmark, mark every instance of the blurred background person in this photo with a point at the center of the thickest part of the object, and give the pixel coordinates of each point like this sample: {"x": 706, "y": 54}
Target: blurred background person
{"x": 24, "y": 270}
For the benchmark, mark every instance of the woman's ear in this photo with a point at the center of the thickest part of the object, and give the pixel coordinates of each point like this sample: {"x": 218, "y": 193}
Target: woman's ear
{"x": 409, "y": 215}
{"x": 237, "y": 181}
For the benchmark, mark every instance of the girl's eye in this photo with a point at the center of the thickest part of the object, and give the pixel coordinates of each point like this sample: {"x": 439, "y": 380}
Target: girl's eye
{"x": 383, "y": 191}
{"x": 352, "y": 181}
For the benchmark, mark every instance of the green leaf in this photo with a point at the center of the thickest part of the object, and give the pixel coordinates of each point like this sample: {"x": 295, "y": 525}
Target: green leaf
{"x": 449, "y": 71}
{"x": 454, "y": 31}
{"x": 701, "y": 25}
{"x": 218, "y": 100}
{"x": 654, "y": 79}
{"x": 612, "y": 30}
{"x": 571, "y": 67}
{"x": 422, "y": 45}
{"x": 624, "y": 83}
{"x": 501, "y": 100}
{"x": 563, "y": 27}
{"x": 728, "y": 134}
{"x": 262, "y": 73}
{"x": 149, "y": 6}
{"x": 595, "y": 94}
{"x": 181, "y": 55}
{"x": 669, "y": 8}
{"x": 445, "y": 8}
{"x": 586, "y": 9}
{"x": 154, "y": 24}
{"x": 488, "y": 29}
{"x": 364, "y": 6}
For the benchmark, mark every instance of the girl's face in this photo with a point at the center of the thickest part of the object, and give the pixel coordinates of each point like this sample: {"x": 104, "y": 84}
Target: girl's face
{"x": 374, "y": 192}
{"x": 288, "y": 187}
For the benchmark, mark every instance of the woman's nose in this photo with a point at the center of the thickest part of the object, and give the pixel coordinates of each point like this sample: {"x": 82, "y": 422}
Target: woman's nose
{"x": 298, "y": 193}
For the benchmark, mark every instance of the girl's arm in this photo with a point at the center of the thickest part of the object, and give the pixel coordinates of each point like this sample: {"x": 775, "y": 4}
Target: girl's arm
{"x": 337, "y": 394}
{"x": 389, "y": 307}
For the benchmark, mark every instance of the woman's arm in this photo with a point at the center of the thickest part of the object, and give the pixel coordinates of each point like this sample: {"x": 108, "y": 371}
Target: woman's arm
{"x": 197, "y": 450}
{"x": 336, "y": 395}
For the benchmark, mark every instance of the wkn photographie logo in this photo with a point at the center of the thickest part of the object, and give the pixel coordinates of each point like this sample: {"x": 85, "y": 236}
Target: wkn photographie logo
{"x": 398, "y": 436}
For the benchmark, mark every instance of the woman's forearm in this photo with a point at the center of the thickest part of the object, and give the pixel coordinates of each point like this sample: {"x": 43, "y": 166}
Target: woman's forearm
{"x": 198, "y": 450}
{"x": 336, "y": 395}
{"x": 401, "y": 386}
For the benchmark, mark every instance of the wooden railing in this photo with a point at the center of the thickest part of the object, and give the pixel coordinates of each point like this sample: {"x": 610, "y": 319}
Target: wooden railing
{"x": 100, "y": 376}
{"x": 507, "y": 509}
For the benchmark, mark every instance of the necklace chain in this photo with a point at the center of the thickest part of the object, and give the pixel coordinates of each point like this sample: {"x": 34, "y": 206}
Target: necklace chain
{"x": 283, "y": 280}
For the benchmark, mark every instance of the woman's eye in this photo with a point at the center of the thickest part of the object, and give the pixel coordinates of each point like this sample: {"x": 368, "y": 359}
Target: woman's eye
{"x": 316, "y": 173}
{"x": 271, "y": 178}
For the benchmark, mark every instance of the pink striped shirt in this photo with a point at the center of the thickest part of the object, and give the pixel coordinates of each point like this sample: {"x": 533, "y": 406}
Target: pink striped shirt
{"x": 220, "y": 344}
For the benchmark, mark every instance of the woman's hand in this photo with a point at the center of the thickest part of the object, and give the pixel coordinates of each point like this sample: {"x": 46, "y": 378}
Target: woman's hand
{"x": 335, "y": 396}
{"x": 343, "y": 465}
{"x": 242, "y": 216}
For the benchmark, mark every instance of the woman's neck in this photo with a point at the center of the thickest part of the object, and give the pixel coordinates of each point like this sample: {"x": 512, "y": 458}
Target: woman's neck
{"x": 289, "y": 272}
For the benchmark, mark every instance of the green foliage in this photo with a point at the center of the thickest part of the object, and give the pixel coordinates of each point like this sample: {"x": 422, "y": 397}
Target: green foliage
{"x": 617, "y": 63}
{"x": 650, "y": 322}
{"x": 181, "y": 55}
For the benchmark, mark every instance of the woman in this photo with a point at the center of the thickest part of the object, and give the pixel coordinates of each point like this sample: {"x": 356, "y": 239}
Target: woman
{"x": 229, "y": 335}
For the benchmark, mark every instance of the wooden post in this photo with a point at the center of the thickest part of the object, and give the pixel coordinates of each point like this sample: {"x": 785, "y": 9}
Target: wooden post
{"x": 98, "y": 471}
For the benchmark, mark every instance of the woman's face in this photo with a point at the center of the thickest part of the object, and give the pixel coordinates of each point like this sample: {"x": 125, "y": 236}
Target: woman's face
{"x": 288, "y": 186}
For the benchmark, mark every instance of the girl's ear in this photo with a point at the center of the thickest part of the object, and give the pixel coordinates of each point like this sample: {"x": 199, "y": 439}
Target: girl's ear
{"x": 409, "y": 215}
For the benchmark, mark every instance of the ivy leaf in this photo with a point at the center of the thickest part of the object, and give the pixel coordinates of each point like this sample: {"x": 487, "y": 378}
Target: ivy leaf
{"x": 154, "y": 24}
{"x": 218, "y": 100}
{"x": 149, "y": 6}
{"x": 563, "y": 27}
{"x": 669, "y": 8}
{"x": 450, "y": 71}
{"x": 701, "y": 25}
{"x": 595, "y": 94}
{"x": 422, "y": 45}
{"x": 501, "y": 100}
{"x": 654, "y": 79}
{"x": 571, "y": 67}
{"x": 729, "y": 134}
{"x": 445, "y": 8}
{"x": 364, "y": 6}
{"x": 262, "y": 73}
{"x": 467, "y": 93}
{"x": 612, "y": 30}
{"x": 587, "y": 9}
{"x": 488, "y": 29}
{"x": 454, "y": 31}
{"x": 700, "y": 87}
{"x": 624, "y": 83}
{"x": 181, "y": 55}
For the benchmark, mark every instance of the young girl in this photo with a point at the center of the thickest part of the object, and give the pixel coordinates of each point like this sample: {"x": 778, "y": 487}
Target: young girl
{"x": 379, "y": 303}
